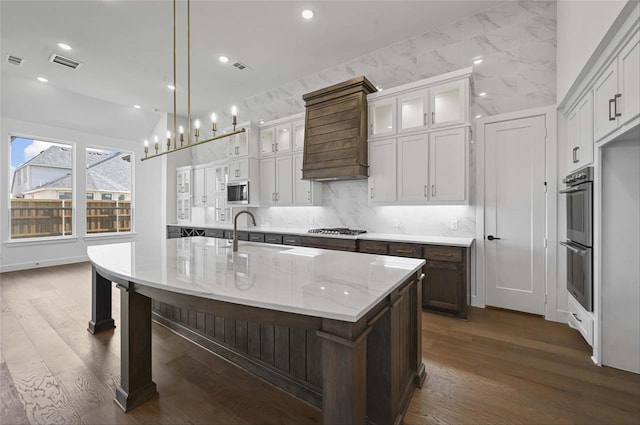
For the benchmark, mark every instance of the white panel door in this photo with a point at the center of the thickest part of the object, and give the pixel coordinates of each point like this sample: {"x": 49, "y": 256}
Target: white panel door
{"x": 210, "y": 186}
{"x": 298, "y": 135}
{"x": 301, "y": 188}
{"x": 268, "y": 181}
{"x": 515, "y": 214}
{"x": 448, "y": 165}
{"x": 284, "y": 180}
{"x": 382, "y": 118}
{"x": 413, "y": 169}
{"x": 412, "y": 111}
{"x": 267, "y": 142}
{"x": 449, "y": 104}
{"x": 382, "y": 171}
{"x": 283, "y": 139}
{"x": 629, "y": 66}
{"x": 604, "y": 101}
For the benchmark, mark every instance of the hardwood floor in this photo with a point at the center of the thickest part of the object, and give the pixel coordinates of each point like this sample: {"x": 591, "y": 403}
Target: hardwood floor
{"x": 499, "y": 367}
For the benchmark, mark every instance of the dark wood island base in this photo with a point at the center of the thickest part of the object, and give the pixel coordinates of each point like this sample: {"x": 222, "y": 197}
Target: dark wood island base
{"x": 367, "y": 370}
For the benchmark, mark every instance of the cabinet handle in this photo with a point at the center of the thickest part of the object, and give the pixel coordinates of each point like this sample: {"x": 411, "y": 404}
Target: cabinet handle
{"x": 615, "y": 105}
{"x": 371, "y": 193}
{"x": 440, "y": 254}
{"x": 612, "y": 102}
{"x": 276, "y": 147}
{"x": 277, "y": 196}
{"x": 237, "y": 173}
{"x": 308, "y": 195}
{"x": 371, "y": 129}
{"x": 424, "y": 119}
{"x": 237, "y": 150}
{"x": 433, "y": 117}
{"x": 575, "y": 154}
{"x": 425, "y": 191}
{"x": 576, "y": 316}
{"x": 405, "y": 251}
{"x": 433, "y": 190}
{"x": 273, "y": 196}
{"x": 273, "y": 147}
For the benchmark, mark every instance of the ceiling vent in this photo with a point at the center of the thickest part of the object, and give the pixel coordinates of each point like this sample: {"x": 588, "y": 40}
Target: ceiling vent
{"x": 14, "y": 60}
{"x": 240, "y": 65}
{"x": 62, "y": 60}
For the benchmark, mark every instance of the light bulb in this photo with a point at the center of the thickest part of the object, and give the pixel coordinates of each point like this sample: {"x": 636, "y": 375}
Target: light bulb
{"x": 155, "y": 139}
{"x": 180, "y": 130}
{"x": 214, "y": 118}
{"x": 146, "y": 143}
{"x": 197, "y": 124}
{"x": 234, "y": 110}
{"x": 168, "y": 134}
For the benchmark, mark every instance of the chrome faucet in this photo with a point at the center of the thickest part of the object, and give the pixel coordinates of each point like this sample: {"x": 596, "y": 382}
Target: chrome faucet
{"x": 235, "y": 227}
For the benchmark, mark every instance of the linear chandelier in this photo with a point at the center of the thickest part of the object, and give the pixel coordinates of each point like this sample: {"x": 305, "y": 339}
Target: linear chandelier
{"x": 190, "y": 144}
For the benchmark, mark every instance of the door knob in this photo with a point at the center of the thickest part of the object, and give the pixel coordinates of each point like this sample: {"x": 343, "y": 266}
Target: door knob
{"x": 491, "y": 238}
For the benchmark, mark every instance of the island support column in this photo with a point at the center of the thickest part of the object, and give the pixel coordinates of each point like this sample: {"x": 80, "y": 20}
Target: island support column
{"x": 101, "y": 319}
{"x": 136, "y": 385}
{"x": 344, "y": 372}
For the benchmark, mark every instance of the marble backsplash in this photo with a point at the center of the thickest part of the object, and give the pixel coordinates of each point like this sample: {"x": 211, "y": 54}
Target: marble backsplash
{"x": 517, "y": 43}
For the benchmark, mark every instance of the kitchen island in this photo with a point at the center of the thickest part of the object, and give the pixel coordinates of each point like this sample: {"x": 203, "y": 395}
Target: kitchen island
{"x": 350, "y": 321}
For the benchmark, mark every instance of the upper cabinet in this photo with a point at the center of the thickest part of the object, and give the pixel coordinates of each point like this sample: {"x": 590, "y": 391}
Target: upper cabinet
{"x": 606, "y": 100}
{"x": 434, "y": 103}
{"x": 267, "y": 141}
{"x": 244, "y": 144}
{"x": 183, "y": 181}
{"x": 298, "y": 135}
{"x": 282, "y": 136}
{"x": 423, "y": 158}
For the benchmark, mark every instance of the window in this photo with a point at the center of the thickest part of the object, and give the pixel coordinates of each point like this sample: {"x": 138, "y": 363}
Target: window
{"x": 41, "y": 198}
{"x": 109, "y": 183}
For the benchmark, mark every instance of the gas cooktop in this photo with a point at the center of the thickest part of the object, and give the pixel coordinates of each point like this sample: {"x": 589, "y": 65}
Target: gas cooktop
{"x": 338, "y": 231}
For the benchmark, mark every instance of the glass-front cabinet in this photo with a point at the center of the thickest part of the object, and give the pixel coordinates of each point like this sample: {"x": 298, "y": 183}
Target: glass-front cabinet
{"x": 298, "y": 135}
{"x": 448, "y": 104}
{"x": 283, "y": 139}
{"x": 413, "y": 111}
{"x": 382, "y": 118}
{"x": 267, "y": 142}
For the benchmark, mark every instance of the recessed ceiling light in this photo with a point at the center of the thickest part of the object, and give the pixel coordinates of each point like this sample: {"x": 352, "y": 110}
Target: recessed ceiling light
{"x": 478, "y": 116}
{"x": 42, "y": 79}
{"x": 261, "y": 121}
{"x": 64, "y": 46}
{"x": 171, "y": 87}
{"x": 223, "y": 59}
{"x": 477, "y": 61}
{"x": 307, "y": 14}
{"x": 137, "y": 106}
{"x": 483, "y": 94}
{"x": 379, "y": 88}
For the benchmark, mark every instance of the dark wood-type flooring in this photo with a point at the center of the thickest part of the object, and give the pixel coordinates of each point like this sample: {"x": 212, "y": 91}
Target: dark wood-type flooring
{"x": 498, "y": 368}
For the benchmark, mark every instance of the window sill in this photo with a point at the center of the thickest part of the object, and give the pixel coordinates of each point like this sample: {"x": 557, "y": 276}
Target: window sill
{"x": 100, "y": 236}
{"x": 41, "y": 241}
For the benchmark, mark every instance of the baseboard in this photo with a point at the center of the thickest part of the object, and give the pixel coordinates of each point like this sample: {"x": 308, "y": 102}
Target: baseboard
{"x": 42, "y": 263}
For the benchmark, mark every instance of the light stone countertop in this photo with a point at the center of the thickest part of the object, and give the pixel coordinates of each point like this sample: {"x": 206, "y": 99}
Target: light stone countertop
{"x": 388, "y": 237}
{"x": 317, "y": 282}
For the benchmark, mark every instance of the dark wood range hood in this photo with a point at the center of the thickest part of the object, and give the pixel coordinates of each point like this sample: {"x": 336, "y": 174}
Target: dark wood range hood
{"x": 335, "y": 140}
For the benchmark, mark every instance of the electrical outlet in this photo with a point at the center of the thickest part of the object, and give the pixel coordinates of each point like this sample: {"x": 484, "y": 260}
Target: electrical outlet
{"x": 453, "y": 225}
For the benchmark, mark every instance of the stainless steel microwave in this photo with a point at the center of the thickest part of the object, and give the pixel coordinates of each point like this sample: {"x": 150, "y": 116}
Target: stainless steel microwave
{"x": 238, "y": 193}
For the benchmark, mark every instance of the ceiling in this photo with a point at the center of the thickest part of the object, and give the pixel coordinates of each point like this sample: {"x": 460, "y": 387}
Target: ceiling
{"x": 126, "y": 46}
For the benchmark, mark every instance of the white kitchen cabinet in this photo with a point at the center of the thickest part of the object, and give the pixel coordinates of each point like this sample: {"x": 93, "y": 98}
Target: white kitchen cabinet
{"x": 204, "y": 187}
{"x": 413, "y": 168}
{"x": 382, "y": 117}
{"x": 283, "y": 139}
{"x": 222, "y": 209}
{"x": 183, "y": 211}
{"x": 183, "y": 181}
{"x": 298, "y": 135}
{"x": 449, "y": 104}
{"x": 448, "y": 165}
{"x": 616, "y": 93}
{"x": 580, "y": 134}
{"x": 221, "y": 178}
{"x": 413, "y": 111}
{"x": 267, "y": 141}
{"x": 244, "y": 144}
{"x": 382, "y": 171}
{"x": 239, "y": 170}
{"x": 604, "y": 92}
{"x": 276, "y": 180}
{"x": 629, "y": 78}
{"x": 305, "y": 192}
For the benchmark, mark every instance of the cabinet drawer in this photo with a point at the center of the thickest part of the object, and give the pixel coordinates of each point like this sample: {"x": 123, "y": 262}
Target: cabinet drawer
{"x": 405, "y": 250}
{"x": 254, "y": 237}
{"x": 228, "y": 234}
{"x": 214, "y": 233}
{"x": 374, "y": 247}
{"x": 291, "y": 240}
{"x": 242, "y": 236}
{"x": 580, "y": 320}
{"x": 443, "y": 253}
{"x": 273, "y": 238}
{"x": 330, "y": 243}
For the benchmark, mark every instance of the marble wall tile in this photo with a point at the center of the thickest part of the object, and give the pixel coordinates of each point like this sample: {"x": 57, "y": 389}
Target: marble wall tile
{"x": 517, "y": 42}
